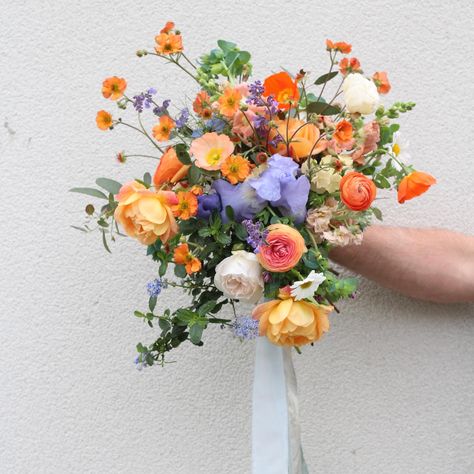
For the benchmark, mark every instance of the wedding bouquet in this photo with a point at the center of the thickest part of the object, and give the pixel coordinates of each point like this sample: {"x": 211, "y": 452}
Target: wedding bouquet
{"x": 256, "y": 181}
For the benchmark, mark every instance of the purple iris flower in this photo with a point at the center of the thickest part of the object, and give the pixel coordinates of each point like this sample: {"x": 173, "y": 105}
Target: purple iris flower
{"x": 207, "y": 203}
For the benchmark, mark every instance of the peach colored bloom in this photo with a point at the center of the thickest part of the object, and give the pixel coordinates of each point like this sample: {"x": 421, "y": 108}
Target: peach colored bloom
{"x": 202, "y": 105}
{"x": 187, "y": 205}
{"x": 229, "y": 101}
{"x": 283, "y": 249}
{"x": 340, "y": 46}
{"x": 169, "y": 169}
{"x": 357, "y": 191}
{"x": 343, "y": 132}
{"x": 168, "y": 43}
{"x": 242, "y": 122}
{"x": 287, "y": 322}
{"x": 163, "y": 129}
{"x": 104, "y": 120}
{"x": 283, "y": 88}
{"x": 347, "y": 65}
{"x": 145, "y": 214}
{"x": 168, "y": 27}
{"x": 413, "y": 185}
{"x": 235, "y": 168}
{"x": 183, "y": 256}
{"x": 114, "y": 87}
{"x": 382, "y": 82}
{"x": 211, "y": 150}
{"x": 371, "y": 137}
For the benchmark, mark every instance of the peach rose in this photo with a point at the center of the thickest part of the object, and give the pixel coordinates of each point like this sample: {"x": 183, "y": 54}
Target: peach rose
{"x": 357, "y": 191}
{"x": 145, "y": 214}
{"x": 287, "y": 322}
{"x": 283, "y": 248}
{"x": 170, "y": 169}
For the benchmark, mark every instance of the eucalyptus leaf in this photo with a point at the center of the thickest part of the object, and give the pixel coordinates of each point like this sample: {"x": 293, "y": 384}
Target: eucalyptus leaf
{"x": 321, "y": 108}
{"x": 90, "y": 192}
{"x": 109, "y": 185}
{"x": 195, "y": 333}
{"x": 147, "y": 179}
{"x": 325, "y": 78}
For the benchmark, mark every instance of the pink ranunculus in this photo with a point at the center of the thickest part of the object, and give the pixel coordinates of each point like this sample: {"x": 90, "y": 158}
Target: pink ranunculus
{"x": 371, "y": 133}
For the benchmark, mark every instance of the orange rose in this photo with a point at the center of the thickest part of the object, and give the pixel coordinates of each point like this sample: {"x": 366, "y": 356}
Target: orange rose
{"x": 114, "y": 87}
{"x": 357, "y": 191}
{"x": 283, "y": 249}
{"x": 413, "y": 185}
{"x": 170, "y": 169}
{"x": 145, "y": 214}
{"x": 283, "y": 88}
{"x": 382, "y": 82}
{"x": 302, "y": 138}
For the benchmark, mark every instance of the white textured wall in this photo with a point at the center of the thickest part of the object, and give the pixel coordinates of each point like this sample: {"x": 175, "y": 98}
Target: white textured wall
{"x": 389, "y": 390}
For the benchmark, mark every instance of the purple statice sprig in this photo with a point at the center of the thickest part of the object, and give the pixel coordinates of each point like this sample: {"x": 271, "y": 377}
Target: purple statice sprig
{"x": 182, "y": 118}
{"x": 162, "y": 109}
{"x": 144, "y": 100}
{"x": 256, "y": 90}
{"x": 245, "y": 328}
{"x": 256, "y": 234}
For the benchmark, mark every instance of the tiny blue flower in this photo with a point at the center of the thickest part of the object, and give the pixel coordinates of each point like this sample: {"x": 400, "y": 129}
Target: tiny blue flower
{"x": 245, "y": 327}
{"x": 154, "y": 287}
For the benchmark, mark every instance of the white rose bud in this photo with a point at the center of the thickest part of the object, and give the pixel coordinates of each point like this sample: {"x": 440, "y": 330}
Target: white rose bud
{"x": 240, "y": 277}
{"x": 360, "y": 94}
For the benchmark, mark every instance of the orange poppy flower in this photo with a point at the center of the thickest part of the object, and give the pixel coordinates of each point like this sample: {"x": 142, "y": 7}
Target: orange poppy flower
{"x": 170, "y": 169}
{"x": 114, "y": 87}
{"x": 344, "y": 48}
{"x": 235, "y": 168}
{"x": 283, "y": 88}
{"x": 202, "y": 105}
{"x": 347, "y": 65}
{"x": 343, "y": 132}
{"x": 187, "y": 205}
{"x": 162, "y": 130}
{"x": 229, "y": 101}
{"x": 168, "y": 43}
{"x": 382, "y": 82}
{"x": 104, "y": 120}
{"x": 168, "y": 27}
{"x": 182, "y": 256}
{"x": 413, "y": 185}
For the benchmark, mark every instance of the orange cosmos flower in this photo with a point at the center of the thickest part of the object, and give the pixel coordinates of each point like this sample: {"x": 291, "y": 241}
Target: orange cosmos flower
{"x": 114, "y": 87}
{"x": 347, "y": 65}
{"x": 343, "y": 132}
{"x": 357, "y": 191}
{"x": 344, "y": 48}
{"x": 162, "y": 131}
{"x": 103, "y": 120}
{"x": 170, "y": 169}
{"x": 202, "y": 105}
{"x": 187, "y": 205}
{"x": 413, "y": 185}
{"x": 235, "y": 168}
{"x": 382, "y": 82}
{"x": 229, "y": 101}
{"x": 211, "y": 150}
{"x": 168, "y": 43}
{"x": 182, "y": 256}
{"x": 283, "y": 88}
{"x": 168, "y": 27}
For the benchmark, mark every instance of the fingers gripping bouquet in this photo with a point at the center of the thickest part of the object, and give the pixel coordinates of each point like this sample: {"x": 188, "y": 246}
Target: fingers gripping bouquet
{"x": 256, "y": 181}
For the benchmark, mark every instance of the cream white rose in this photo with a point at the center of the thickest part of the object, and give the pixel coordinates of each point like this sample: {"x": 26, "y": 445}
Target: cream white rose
{"x": 360, "y": 94}
{"x": 240, "y": 277}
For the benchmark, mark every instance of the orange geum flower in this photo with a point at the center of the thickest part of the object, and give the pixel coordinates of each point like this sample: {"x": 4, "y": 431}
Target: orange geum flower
{"x": 104, "y": 120}
{"x": 344, "y": 48}
{"x": 283, "y": 88}
{"x": 347, "y": 65}
{"x": 381, "y": 81}
{"x": 162, "y": 130}
{"x": 413, "y": 185}
{"x": 343, "y": 132}
{"x": 187, "y": 205}
{"x": 168, "y": 27}
{"x": 235, "y": 168}
{"x": 168, "y": 43}
{"x": 229, "y": 101}
{"x": 182, "y": 256}
{"x": 202, "y": 105}
{"x": 114, "y": 87}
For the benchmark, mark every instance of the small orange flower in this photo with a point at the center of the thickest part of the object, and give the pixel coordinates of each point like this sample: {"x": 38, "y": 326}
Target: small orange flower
{"x": 197, "y": 190}
{"x": 168, "y": 27}
{"x": 344, "y": 48}
{"x": 168, "y": 43}
{"x": 103, "y": 120}
{"x": 229, "y": 101}
{"x": 114, "y": 87}
{"x": 413, "y": 185}
{"x": 182, "y": 256}
{"x": 283, "y": 88}
{"x": 343, "y": 132}
{"x": 202, "y": 105}
{"x": 357, "y": 191}
{"x": 187, "y": 205}
{"x": 382, "y": 82}
{"x": 162, "y": 130}
{"x": 235, "y": 168}
{"x": 347, "y": 65}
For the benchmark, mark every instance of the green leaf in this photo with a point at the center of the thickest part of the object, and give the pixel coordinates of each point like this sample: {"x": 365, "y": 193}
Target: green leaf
{"x": 79, "y": 228}
{"x": 180, "y": 271}
{"x": 377, "y": 213}
{"x": 90, "y": 192}
{"x": 240, "y": 232}
{"x": 244, "y": 57}
{"x": 147, "y": 179}
{"x": 152, "y": 303}
{"x": 195, "y": 333}
{"x": 194, "y": 174}
{"x": 165, "y": 325}
{"x": 138, "y": 314}
{"x": 325, "y": 78}
{"x": 109, "y": 185}
{"x": 322, "y": 108}
{"x": 182, "y": 153}
{"x": 206, "y": 307}
{"x": 381, "y": 181}
{"x": 230, "y": 213}
{"x": 163, "y": 268}
{"x": 226, "y": 45}
{"x": 104, "y": 241}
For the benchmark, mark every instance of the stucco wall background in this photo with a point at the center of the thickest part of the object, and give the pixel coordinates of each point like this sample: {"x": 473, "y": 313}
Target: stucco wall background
{"x": 389, "y": 390}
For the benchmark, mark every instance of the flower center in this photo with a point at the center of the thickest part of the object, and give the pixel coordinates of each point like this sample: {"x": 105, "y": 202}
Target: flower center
{"x": 214, "y": 155}
{"x": 396, "y": 149}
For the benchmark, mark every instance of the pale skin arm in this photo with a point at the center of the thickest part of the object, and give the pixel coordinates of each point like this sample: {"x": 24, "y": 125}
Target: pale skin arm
{"x": 428, "y": 264}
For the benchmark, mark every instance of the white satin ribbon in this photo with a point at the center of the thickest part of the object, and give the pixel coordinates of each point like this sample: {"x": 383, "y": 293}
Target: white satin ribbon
{"x": 276, "y": 439}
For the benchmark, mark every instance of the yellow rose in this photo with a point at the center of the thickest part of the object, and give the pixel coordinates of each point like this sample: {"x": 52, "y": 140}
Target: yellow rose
{"x": 145, "y": 214}
{"x": 287, "y": 322}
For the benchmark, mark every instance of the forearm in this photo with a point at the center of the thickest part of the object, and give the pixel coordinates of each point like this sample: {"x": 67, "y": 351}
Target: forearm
{"x": 429, "y": 264}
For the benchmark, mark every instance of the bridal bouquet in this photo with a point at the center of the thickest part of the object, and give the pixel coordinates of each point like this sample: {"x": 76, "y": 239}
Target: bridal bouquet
{"x": 256, "y": 181}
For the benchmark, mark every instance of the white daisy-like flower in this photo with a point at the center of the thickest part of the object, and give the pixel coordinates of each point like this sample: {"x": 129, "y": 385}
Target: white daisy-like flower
{"x": 400, "y": 148}
{"x": 306, "y": 288}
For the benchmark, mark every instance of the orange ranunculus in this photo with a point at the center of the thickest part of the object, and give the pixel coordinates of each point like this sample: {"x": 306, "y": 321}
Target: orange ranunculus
{"x": 202, "y": 105}
{"x": 170, "y": 169}
{"x": 284, "y": 246}
{"x": 303, "y": 139}
{"x": 413, "y": 185}
{"x": 287, "y": 322}
{"x": 187, "y": 205}
{"x": 343, "y": 132}
{"x": 114, "y": 87}
{"x": 235, "y": 168}
{"x": 183, "y": 256}
{"x": 357, "y": 191}
{"x": 382, "y": 82}
{"x": 168, "y": 43}
{"x": 168, "y": 27}
{"x": 163, "y": 129}
{"x": 347, "y": 65}
{"x": 229, "y": 101}
{"x": 344, "y": 48}
{"x": 283, "y": 88}
{"x": 104, "y": 120}
{"x": 145, "y": 214}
